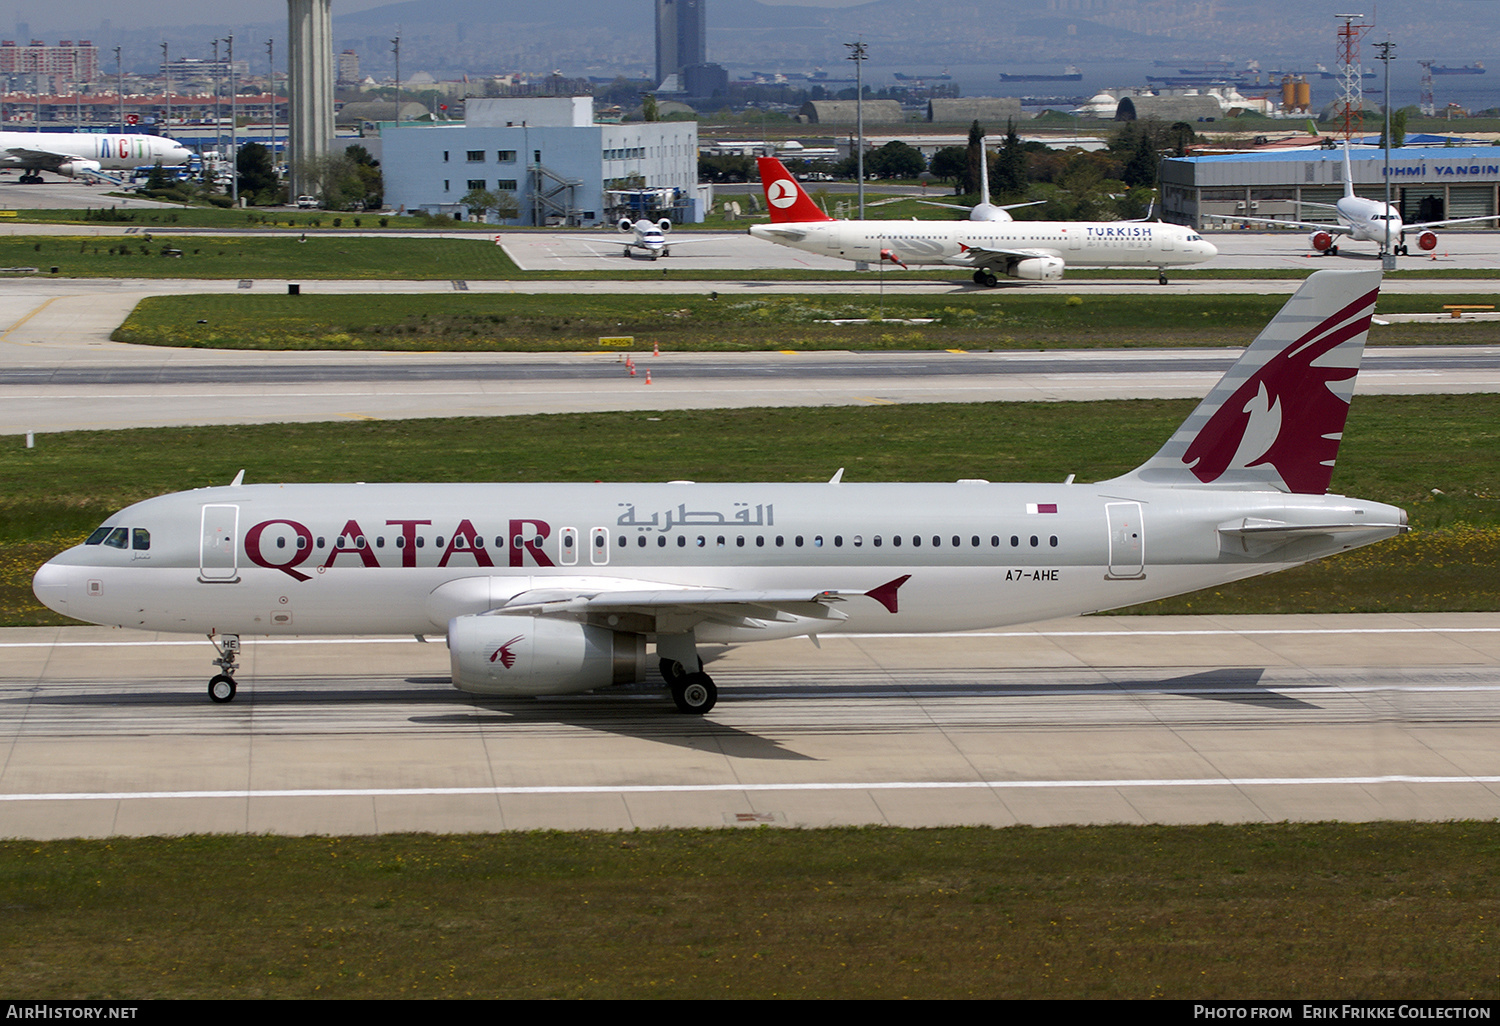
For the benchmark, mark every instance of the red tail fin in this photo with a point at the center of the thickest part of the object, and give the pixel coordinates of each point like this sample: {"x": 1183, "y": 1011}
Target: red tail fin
{"x": 784, "y": 197}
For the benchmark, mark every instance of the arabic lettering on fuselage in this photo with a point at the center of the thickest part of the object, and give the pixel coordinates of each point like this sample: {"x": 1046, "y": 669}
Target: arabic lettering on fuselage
{"x": 744, "y": 515}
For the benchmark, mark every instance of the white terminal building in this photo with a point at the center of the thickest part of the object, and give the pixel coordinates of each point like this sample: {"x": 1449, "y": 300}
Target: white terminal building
{"x": 1428, "y": 183}
{"x": 547, "y": 152}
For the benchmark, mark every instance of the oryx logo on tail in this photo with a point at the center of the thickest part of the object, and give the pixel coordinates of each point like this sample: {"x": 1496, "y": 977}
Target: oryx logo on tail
{"x": 1289, "y": 414}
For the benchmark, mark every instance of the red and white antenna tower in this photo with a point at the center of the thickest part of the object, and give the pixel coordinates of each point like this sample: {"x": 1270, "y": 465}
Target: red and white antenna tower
{"x": 1428, "y": 105}
{"x": 1351, "y": 73}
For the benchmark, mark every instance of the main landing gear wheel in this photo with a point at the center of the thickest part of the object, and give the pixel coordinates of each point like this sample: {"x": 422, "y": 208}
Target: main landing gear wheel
{"x": 672, "y": 671}
{"x": 1161, "y": 277}
{"x": 221, "y": 688}
{"x": 985, "y": 278}
{"x": 694, "y": 693}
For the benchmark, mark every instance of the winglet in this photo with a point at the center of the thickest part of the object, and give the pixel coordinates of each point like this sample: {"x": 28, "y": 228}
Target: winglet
{"x": 886, "y": 593}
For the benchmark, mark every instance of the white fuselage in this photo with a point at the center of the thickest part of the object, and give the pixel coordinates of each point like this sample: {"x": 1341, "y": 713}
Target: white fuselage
{"x": 1370, "y": 220}
{"x": 37, "y": 150}
{"x": 376, "y": 559}
{"x": 954, "y": 243}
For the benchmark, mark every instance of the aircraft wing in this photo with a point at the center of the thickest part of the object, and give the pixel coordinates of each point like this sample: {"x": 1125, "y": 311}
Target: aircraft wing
{"x": 1314, "y": 226}
{"x": 1439, "y": 224}
{"x": 622, "y": 240}
{"x": 991, "y": 256}
{"x": 47, "y": 160}
{"x": 685, "y": 607}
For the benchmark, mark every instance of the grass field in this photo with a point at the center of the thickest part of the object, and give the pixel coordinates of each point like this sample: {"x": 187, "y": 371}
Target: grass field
{"x": 1281, "y": 911}
{"x": 543, "y": 323}
{"x": 122, "y": 212}
{"x": 253, "y": 256}
{"x": 1437, "y": 456}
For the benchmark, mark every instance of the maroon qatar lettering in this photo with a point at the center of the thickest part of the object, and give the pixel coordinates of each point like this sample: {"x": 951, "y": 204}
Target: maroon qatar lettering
{"x": 300, "y": 551}
{"x": 466, "y": 540}
{"x": 526, "y": 544}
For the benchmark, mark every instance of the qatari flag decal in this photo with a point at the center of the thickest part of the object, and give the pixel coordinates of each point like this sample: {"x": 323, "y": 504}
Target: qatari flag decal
{"x": 1041, "y": 507}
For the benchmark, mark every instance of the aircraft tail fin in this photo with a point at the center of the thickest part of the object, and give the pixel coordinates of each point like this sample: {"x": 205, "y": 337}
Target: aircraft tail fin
{"x": 785, "y": 198}
{"x": 1348, "y": 172}
{"x": 1274, "y": 421}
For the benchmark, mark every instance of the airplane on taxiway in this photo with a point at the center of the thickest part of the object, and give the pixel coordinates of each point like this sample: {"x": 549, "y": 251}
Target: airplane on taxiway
{"x": 75, "y": 154}
{"x": 558, "y": 588}
{"x": 984, "y": 210}
{"x": 1361, "y": 220}
{"x": 1031, "y": 250}
{"x": 649, "y": 236}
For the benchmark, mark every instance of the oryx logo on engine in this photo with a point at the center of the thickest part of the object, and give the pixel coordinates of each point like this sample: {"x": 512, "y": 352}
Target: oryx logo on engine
{"x": 503, "y": 655}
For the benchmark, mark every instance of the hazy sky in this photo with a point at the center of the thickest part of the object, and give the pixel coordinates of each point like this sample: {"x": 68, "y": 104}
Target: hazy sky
{"x": 77, "y": 16}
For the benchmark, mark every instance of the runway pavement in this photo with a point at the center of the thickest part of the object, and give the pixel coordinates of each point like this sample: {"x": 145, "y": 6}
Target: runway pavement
{"x": 59, "y": 371}
{"x": 193, "y": 387}
{"x": 1096, "y": 720}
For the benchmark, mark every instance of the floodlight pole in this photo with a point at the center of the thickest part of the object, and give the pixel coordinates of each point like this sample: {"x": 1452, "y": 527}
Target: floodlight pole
{"x": 857, "y": 55}
{"x": 1387, "y": 254}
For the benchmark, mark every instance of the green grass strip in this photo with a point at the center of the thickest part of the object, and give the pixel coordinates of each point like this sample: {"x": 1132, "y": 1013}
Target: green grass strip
{"x": 1388, "y": 911}
{"x": 551, "y": 323}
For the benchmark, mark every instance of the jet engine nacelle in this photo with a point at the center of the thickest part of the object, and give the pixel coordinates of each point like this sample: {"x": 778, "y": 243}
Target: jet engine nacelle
{"x": 1320, "y": 241}
{"x": 665, "y": 225}
{"x": 626, "y": 226}
{"x": 1037, "y": 269}
{"x": 535, "y": 655}
{"x": 74, "y": 168}
{"x": 1427, "y": 241}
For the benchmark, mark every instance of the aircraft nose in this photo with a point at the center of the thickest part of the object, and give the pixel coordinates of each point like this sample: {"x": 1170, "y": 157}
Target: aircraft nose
{"x": 50, "y": 586}
{"x": 1209, "y": 249}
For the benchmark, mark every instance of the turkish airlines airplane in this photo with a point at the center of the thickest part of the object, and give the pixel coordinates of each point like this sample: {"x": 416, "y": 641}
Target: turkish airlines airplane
{"x": 83, "y": 154}
{"x": 560, "y": 588}
{"x": 1362, "y": 220}
{"x": 1030, "y": 250}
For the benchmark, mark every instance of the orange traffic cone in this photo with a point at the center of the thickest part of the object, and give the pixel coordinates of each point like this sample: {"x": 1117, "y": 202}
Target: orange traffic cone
{"x": 655, "y": 349}
{"x": 648, "y": 375}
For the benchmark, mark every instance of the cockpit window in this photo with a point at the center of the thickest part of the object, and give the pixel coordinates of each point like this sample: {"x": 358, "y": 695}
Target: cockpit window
{"x": 140, "y": 538}
{"x": 119, "y": 538}
{"x": 98, "y": 536}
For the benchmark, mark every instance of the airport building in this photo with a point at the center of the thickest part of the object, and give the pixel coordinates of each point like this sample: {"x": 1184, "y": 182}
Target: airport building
{"x": 548, "y": 153}
{"x": 1428, "y": 183}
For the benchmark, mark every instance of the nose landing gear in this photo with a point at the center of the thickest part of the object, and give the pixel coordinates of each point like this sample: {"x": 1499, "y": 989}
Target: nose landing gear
{"x": 222, "y": 687}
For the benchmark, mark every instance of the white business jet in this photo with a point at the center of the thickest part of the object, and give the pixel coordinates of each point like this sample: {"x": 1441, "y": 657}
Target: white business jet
{"x": 1361, "y": 220}
{"x": 551, "y": 589}
{"x": 1030, "y": 250}
{"x": 84, "y": 154}
{"x": 646, "y": 235}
